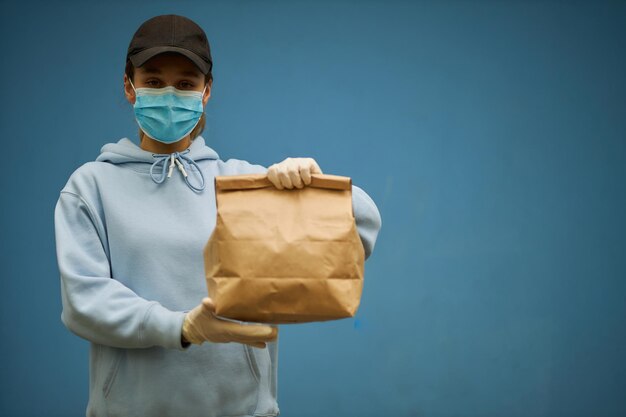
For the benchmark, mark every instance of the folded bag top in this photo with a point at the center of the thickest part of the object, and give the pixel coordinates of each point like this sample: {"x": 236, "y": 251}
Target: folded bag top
{"x": 284, "y": 256}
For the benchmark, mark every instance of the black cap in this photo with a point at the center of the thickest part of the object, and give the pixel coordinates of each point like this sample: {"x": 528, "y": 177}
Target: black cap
{"x": 170, "y": 33}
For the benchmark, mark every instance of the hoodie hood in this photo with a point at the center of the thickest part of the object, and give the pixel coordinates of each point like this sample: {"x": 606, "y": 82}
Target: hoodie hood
{"x": 126, "y": 151}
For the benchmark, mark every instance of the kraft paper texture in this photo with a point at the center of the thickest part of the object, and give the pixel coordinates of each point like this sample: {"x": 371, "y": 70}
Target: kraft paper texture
{"x": 284, "y": 256}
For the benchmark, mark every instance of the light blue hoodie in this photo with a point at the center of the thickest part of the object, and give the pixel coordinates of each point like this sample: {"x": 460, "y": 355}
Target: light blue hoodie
{"x": 130, "y": 256}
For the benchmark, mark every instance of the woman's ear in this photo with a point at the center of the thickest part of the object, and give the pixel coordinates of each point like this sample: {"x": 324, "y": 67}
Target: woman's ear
{"x": 128, "y": 90}
{"x": 207, "y": 93}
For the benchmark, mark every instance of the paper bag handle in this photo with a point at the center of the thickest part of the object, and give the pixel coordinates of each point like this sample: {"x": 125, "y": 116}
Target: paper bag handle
{"x": 250, "y": 181}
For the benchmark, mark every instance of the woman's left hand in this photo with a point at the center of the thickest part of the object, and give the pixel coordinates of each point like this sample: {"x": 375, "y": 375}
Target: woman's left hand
{"x": 293, "y": 172}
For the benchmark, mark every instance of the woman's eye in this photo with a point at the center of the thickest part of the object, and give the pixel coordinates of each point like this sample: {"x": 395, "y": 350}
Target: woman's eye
{"x": 185, "y": 84}
{"x": 152, "y": 83}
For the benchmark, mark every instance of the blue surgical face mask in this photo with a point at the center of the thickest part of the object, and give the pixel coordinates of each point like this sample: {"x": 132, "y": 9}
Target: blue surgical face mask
{"x": 167, "y": 114}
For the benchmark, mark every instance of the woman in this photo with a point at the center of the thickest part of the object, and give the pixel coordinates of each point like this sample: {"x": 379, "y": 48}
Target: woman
{"x": 130, "y": 229}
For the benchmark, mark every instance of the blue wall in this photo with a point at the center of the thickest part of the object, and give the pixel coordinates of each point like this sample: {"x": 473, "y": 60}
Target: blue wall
{"x": 492, "y": 136}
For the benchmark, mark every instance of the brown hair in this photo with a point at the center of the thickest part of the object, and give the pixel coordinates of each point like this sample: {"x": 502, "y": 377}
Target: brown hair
{"x": 130, "y": 72}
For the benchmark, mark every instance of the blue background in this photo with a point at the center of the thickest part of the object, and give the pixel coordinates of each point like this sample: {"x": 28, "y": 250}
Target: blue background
{"x": 491, "y": 135}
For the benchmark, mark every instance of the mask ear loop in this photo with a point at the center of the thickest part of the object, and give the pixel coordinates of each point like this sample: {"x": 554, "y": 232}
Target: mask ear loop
{"x": 131, "y": 84}
{"x": 204, "y": 91}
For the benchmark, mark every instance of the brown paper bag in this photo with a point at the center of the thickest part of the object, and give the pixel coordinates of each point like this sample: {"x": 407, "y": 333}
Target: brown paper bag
{"x": 284, "y": 256}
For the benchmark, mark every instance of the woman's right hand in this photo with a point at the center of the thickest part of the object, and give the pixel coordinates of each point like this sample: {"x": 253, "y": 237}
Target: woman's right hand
{"x": 202, "y": 325}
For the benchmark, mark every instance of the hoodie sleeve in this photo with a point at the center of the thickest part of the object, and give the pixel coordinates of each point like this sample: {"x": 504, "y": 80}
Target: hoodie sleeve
{"x": 96, "y": 306}
{"x": 367, "y": 217}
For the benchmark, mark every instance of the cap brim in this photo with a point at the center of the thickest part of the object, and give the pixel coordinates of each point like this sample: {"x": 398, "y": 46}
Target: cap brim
{"x": 140, "y": 58}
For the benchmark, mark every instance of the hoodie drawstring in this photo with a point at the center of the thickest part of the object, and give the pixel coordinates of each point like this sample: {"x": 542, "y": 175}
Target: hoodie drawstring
{"x": 162, "y": 158}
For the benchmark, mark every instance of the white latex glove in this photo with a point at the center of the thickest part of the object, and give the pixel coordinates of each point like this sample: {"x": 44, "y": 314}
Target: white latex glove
{"x": 293, "y": 172}
{"x": 202, "y": 325}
